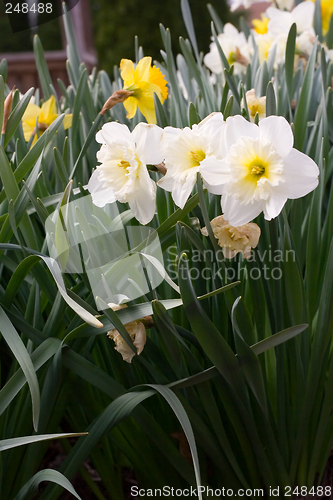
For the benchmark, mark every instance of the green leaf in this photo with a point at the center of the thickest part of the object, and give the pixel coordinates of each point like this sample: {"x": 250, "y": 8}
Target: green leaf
{"x": 2, "y": 98}
{"x": 194, "y": 118}
{"x": 31, "y": 487}
{"x": 303, "y": 105}
{"x": 186, "y": 12}
{"x": 317, "y": 23}
{"x": 43, "y": 71}
{"x": 16, "y": 115}
{"x": 17, "y": 347}
{"x": 7, "y": 444}
{"x": 270, "y": 100}
{"x": 289, "y": 64}
{"x": 39, "y": 357}
{"x": 8, "y": 179}
{"x": 209, "y": 337}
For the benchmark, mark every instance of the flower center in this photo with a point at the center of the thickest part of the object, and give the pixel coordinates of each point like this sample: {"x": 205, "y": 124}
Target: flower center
{"x": 197, "y": 157}
{"x": 257, "y": 168}
{"x": 232, "y": 58}
{"x": 124, "y": 164}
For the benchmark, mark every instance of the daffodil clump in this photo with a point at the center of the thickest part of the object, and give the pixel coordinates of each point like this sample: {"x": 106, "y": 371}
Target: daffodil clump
{"x": 37, "y": 119}
{"x": 183, "y": 214}
{"x": 269, "y": 34}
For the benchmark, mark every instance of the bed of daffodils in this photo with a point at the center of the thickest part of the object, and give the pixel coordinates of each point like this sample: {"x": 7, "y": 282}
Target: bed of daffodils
{"x": 166, "y": 266}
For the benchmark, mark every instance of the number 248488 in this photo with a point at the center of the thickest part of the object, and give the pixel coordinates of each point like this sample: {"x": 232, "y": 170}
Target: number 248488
{"x": 25, "y": 8}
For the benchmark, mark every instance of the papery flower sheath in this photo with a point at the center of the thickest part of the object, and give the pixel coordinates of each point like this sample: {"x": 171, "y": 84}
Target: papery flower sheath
{"x": 264, "y": 169}
{"x": 189, "y": 151}
{"x": 46, "y": 115}
{"x": 144, "y": 81}
{"x": 122, "y": 174}
{"x": 232, "y": 239}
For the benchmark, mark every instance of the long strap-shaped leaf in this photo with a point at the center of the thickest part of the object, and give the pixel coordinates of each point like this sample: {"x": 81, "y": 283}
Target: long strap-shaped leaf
{"x": 31, "y": 487}
{"x": 56, "y": 273}
{"x": 21, "y": 354}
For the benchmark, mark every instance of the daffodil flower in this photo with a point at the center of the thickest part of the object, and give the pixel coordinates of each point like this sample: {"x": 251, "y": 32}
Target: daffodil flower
{"x": 144, "y": 81}
{"x": 326, "y": 7}
{"x": 123, "y": 174}
{"x": 189, "y": 151}
{"x": 137, "y": 332}
{"x": 264, "y": 169}
{"x": 255, "y": 105}
{"x": 46, "y": 115}
{"x": 232, "y": 239}
{"x": 235, "y": 47}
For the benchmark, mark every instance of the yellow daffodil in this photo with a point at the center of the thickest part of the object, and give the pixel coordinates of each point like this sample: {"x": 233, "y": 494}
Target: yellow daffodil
{"x": 260, "y": 25}
{"x": 46, "y": 115}
{"x": 326, "y": 13}
{"x": 144, "y": 81}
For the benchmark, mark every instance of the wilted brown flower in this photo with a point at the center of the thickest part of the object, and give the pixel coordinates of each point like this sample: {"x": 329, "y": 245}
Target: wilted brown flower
{"x": 232, "y": 239}
{"x": 135, "y": 329}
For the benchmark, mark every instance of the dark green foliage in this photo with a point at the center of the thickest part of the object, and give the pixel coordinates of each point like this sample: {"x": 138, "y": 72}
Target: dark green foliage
{"x": 117, "y": 23}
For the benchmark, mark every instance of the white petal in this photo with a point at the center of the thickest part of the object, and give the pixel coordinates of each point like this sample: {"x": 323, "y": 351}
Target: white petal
{"x": 275, "y": 203}
{"x": 301, "y": 174}
{"x": 100, "y": 196}
{"x": 143, "y": 205}
{"x": 215, "y": 172}
{"x": 167, "y": 182}
{"x": 182, "y": 191}
{"x": 303, "y": 15}
{"x": 236, "y": 213}
{"x": 169, "y": 135}
{"x": 147, "y": 138}
{"x": 237, "y": 127}
{"x": 213, "y": 127}
{"x": 114, "y": 132}
{"x": 277, "y": 131}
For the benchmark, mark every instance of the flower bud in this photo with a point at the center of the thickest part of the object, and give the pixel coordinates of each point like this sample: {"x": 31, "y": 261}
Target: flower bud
{"x": 7, "y": 110}
{"x": 117, "y": 96}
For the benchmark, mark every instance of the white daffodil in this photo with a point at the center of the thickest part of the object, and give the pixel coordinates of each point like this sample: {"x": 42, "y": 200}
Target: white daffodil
{"x": 235, "y": 4}
{"x": 255, "y": 105}
{"x": 123, "y": 175}
{"x": 235, "y": 47}
{"x": 189, "y": 151}
{"x": 264, "y": 168}
{"x": 281, "y": 21}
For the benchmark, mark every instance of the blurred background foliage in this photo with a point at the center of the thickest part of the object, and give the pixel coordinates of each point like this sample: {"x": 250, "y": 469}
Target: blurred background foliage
{"x": 21, "y": 41}
{"x": 115, "y": 25}
{"x": 115, "y": 28}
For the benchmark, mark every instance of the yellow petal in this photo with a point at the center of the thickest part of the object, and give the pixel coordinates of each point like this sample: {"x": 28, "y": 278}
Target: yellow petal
{"x": 131, "y": 105}
{"x": 142, "y": 70}
{"x": 127, "y": 72}
{"x": 146, "y": 101}
{"x": 48, "y": 111}
{"x": 67, "y": 121}
{"x": 157, "y": 78}
{"x": 31, "y": 113}
{"x": 27, "y": 130}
